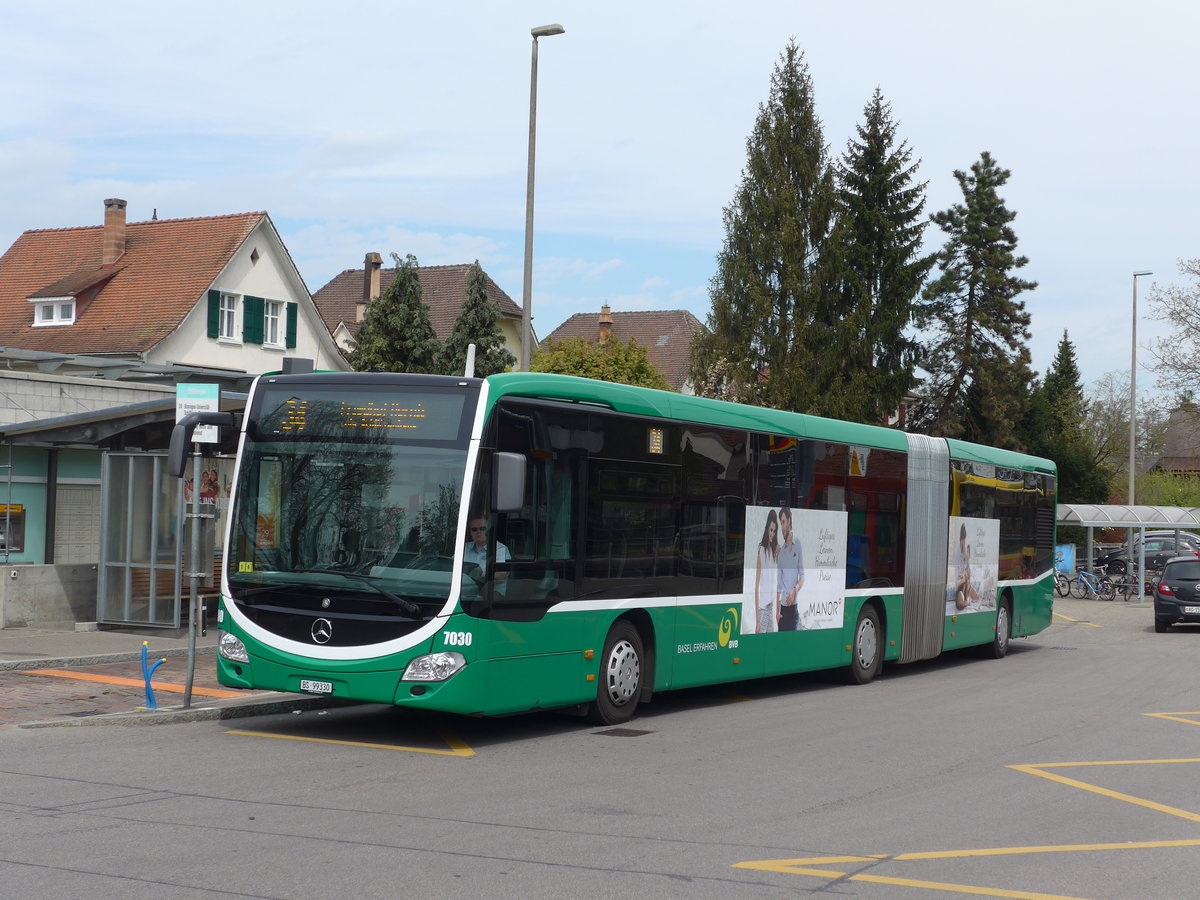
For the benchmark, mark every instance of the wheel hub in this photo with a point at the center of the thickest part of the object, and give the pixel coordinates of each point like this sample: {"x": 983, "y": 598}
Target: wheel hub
{"x": 624, "y": 673}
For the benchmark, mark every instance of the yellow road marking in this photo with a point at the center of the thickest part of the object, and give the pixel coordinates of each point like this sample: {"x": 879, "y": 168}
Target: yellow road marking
{"x": 1038, "y": 770}
{"x": 798, "y": 867}
{"x": 1175, "y": 717}
{"x": 134, "y": 682}
{"x": 1078, "y": 621}
{"x": 805, "y": 866}
{"x": 457, "y": 747}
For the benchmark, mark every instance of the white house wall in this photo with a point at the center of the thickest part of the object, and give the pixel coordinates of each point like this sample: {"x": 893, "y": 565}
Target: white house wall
{"x": 271, "y": 277}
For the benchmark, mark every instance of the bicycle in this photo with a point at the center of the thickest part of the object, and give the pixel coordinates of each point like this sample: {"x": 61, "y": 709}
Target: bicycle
{"x": 1062, "y": 584}
{"x": 1126, "y": 585}
{"x": 1096, "y": 584}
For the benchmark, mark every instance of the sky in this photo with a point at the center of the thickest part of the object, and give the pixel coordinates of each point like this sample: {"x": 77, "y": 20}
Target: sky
{"x": 403, "y": 127}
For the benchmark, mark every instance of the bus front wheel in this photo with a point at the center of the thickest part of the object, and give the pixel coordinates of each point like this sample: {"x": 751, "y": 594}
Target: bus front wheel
{"x": 867, "y": 652}
{"x": 621, "y": 672}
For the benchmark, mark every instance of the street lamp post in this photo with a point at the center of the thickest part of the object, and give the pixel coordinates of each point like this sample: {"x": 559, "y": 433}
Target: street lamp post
{"x": 527, "y": 291}
{"x": 1140, "y": 563}
{"x": 1133, "y": 392}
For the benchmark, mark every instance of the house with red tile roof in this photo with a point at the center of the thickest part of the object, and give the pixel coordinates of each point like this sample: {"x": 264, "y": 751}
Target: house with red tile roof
{"x": 219, "y": 291}
{"x": 343, "y": 301}
{"x": 666, "y": 334}
{"x": 98, "y": 324}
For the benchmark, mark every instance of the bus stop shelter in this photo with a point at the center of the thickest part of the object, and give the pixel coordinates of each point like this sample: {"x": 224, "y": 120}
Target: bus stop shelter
{"x": 1163, "y": 518}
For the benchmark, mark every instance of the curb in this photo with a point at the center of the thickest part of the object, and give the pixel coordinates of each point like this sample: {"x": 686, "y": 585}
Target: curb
{"x": 267, "y": 704}
{"x": 98, "y": 659}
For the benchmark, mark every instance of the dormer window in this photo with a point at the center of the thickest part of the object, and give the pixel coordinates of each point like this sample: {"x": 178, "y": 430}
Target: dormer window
{"x": 54, "y": 311}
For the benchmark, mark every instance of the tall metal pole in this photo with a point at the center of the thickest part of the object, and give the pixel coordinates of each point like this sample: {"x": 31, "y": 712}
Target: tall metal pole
{"x": 1140, "y": 565}
{"x": 1132, "y": 500}
{"x": 527, "y": 289}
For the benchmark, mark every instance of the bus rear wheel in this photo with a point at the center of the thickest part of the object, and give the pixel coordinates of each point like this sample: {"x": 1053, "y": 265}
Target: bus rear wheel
{"x": 867, "y": 652}
{"x": 621, "y": 672}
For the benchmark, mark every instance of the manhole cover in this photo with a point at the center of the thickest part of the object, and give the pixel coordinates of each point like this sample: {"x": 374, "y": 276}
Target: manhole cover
{"x": 623, "y": 732}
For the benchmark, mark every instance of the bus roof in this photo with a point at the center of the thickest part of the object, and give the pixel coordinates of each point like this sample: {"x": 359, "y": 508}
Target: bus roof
{"x": 665, "y": 404}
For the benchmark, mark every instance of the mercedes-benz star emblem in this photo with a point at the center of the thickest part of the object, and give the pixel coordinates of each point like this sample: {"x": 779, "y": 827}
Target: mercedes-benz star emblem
{"x": 322, "y": 631}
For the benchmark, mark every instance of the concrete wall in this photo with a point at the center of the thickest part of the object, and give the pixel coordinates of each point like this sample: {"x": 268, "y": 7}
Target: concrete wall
{"x": 49, "y": 597}
{"x": 26, "y": 396}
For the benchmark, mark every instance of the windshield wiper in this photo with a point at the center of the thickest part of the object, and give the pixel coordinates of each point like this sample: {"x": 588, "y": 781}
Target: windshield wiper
{"x": 406, "y": 606}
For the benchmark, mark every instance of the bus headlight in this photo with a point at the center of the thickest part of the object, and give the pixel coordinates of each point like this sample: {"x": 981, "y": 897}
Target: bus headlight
{"x": 231, "y": 647}
{"x": 434, "y": 666}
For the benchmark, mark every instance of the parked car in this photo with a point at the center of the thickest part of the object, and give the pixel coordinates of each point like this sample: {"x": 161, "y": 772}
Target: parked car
{"x": 1159, "y": 549}
{"x": 1177, "y": 593}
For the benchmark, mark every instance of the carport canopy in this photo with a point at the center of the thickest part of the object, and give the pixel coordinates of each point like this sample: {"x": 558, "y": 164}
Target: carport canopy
{"x": 1117, "y": 516}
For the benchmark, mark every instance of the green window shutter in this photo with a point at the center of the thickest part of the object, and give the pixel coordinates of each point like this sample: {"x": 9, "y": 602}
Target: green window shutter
{"x": 291, "y": 325}
{"x": 252, "y": 320}
{"x": 214, "y": 313}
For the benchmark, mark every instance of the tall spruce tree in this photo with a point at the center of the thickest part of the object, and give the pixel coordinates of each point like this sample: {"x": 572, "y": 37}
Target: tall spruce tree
{"x": 478, "y": 323}
{"x": 1054, "y": 427}
{"x": 879, "y": 273}
{"x": 977, "y": 357}
{"x": 767, "y": 328}
{"x": 395, "y": 335}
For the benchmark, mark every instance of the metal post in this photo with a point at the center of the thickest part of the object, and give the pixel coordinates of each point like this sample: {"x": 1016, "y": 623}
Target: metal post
{"x": 1131, "y": 498}
{"x": 193, "y": 592}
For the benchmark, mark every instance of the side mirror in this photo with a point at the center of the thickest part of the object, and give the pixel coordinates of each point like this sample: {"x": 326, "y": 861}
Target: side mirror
{"x": 181, "y": 436}
{"x": 508, "y": 481}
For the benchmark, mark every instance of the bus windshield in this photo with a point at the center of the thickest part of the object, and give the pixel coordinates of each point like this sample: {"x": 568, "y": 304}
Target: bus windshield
{"x": 356, "y": 494}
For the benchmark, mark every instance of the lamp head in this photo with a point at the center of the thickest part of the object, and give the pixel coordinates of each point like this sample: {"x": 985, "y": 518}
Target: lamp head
{"x": 546, "y": 30}
{"x": 1136, "y": 274}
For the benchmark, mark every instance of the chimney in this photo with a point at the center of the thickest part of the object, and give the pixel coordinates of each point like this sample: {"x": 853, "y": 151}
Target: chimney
{"x": 606, "y": 323}
{"x": 372, "y": 263}
{"x": 114, "y": 231}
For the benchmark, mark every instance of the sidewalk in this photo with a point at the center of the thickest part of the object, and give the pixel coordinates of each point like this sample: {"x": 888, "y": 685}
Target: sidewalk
{"x": 92, "y": 677}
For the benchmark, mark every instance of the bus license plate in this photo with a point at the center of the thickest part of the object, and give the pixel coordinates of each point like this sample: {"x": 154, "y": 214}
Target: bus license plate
{"x": 316, "y": 687}
{"x": 1191, "y": 610}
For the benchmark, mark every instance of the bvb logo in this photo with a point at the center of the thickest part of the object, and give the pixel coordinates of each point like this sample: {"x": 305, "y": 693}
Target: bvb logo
{"x": 729, "y": 624}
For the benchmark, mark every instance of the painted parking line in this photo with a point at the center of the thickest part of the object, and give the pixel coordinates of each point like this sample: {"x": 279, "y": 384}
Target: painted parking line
{"x": 802, "y": 867}
{"x": 1187, "y": 718}
{"x": 457, "y": 747}
{"x": 1040, "y": 771}
{"x": 1077, "y": 621}
{"x": 808, "y": 866}
{"x": 134, "y": 682}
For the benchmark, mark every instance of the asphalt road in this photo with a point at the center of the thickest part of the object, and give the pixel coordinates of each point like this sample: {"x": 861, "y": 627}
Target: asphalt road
{"x": 1066, "y": 770}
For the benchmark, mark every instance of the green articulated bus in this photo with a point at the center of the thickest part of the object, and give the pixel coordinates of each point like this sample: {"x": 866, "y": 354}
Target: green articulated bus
{"x": 528, "y": 541}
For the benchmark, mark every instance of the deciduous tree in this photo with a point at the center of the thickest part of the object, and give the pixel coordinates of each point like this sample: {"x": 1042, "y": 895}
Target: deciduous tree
{"x": 614, "y": 360}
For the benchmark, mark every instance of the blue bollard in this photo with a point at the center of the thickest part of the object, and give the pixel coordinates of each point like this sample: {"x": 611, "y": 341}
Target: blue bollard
{"x": 147, "y": 672}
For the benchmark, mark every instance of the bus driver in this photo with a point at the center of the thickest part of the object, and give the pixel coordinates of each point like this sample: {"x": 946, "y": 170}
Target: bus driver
{"x": 476, "y": 553}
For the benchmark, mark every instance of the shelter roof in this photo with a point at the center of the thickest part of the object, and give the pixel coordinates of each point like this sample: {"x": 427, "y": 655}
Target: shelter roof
{"x": 1109, "y": 516}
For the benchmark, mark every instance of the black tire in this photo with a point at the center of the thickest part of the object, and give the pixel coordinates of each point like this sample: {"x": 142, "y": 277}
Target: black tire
{"x": 1117, "y": 567}
{"x": 1062, "y": 584}
{"x": 1107, "y": 589}
{"x": 1162, "y": 626}
{"x": 866, "y": 657}
{"x": 998, "y": 648}
{"x": 1077, "y": 588}
{"x": 621, "y": 673}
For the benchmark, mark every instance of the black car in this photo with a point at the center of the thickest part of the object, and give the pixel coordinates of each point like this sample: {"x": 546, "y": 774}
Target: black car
{"x": 1158, "y": 551}
{"x": 1177, "y": 593}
